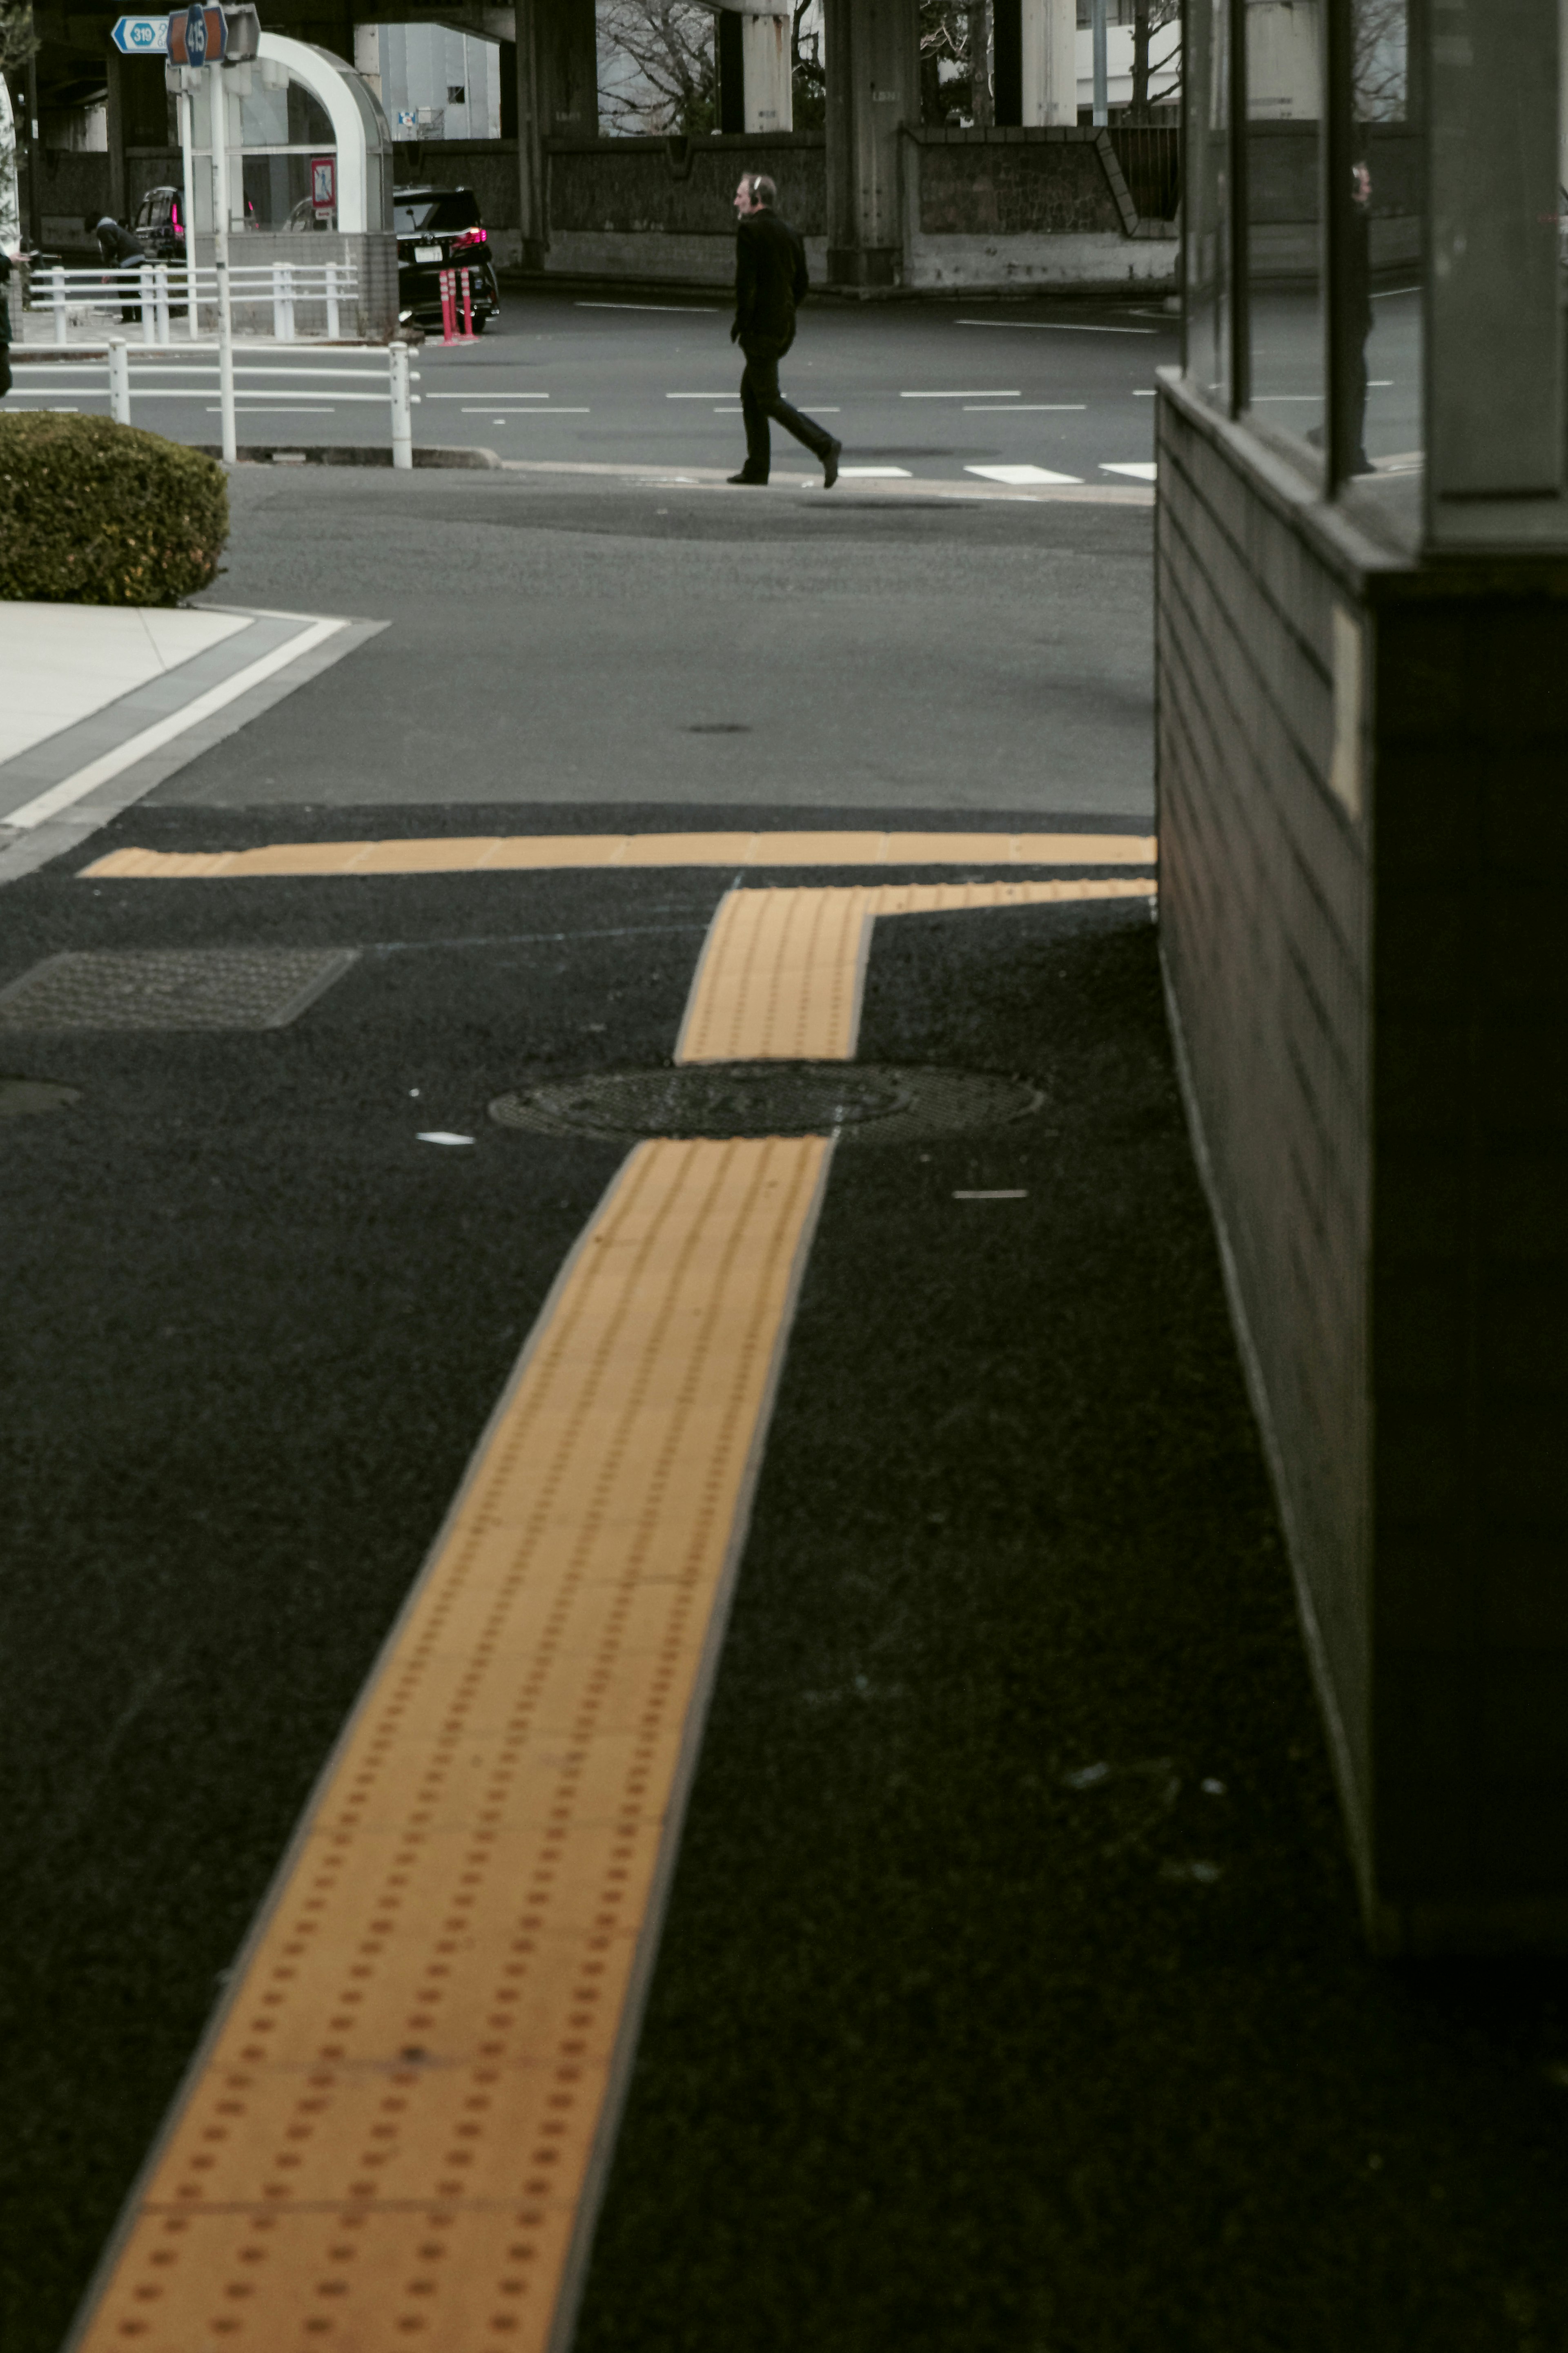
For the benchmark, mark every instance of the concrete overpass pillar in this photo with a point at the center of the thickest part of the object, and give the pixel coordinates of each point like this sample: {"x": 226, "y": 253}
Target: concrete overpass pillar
{"x": 767, "y": 72}
{"x": 557, "y": 97}
{"x": 1049, "y": 61}
{"x": 873, "y": 86}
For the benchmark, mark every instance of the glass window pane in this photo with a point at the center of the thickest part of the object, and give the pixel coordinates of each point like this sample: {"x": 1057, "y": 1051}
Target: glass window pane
{"x": 1285, "y": 331}
{"x": 1382, "y": 299}
{"x": 1207, "y": 199}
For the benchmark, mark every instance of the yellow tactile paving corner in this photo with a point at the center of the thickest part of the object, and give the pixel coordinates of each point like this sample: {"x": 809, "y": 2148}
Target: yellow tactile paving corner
{"x": 545, "y": 852}
{"x": 389, "y": 2133}
{"x": 784, "y": 969}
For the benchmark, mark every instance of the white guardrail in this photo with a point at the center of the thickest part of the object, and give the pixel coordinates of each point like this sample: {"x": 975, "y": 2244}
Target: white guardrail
{"x": 149, "y": 380}
{"x": 155, "y": 287}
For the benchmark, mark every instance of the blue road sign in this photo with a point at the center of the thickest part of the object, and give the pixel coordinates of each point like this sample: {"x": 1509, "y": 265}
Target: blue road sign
{"x": 197, "y": 36}
{"x": 141, "y": 37}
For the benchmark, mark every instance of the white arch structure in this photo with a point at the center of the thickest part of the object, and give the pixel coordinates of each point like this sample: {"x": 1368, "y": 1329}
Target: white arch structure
{"x": 359, "y": 130}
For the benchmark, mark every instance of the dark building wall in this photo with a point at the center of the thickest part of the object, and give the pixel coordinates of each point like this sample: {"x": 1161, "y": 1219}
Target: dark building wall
{"x": 1362, "y": 936}
{"x": 1264, "y": 912}
{"x": 489, "y": 167}
{"x": 1470, "y": 1274}
{"x": 981, "y": 185}
{"x": 682, "y": 186}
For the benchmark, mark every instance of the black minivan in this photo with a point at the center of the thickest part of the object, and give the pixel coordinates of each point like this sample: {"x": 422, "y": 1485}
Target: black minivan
{"x": 437, "y": 229}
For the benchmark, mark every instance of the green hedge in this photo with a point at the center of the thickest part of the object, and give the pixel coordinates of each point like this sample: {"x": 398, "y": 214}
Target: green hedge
{"x": 96, "y": 513}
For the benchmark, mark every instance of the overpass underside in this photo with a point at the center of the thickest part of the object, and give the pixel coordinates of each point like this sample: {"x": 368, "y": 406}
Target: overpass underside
{"x": 885, "y": 198}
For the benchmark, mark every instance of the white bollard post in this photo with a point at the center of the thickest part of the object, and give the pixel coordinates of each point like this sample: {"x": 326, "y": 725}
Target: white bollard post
{"x": 149, "y": 300}
{"x": 332, "y": 302}
{"x": 286, "y": 300}
{"x": 401, "y": 415}
{"x": 119, "y": 380}
{"x": 218, "y": 102}
{"x": 161, "y": 300}
{"x": 57, "y": 303}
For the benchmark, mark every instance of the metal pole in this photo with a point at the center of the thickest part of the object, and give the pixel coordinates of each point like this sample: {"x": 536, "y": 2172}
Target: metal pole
{"x": 149, "y": 285}
{"x": 57, "y": 299}
{"x": 187, "y": 162}
{"x": 218, "y": 103}
{"x": 35, "y": 161}
{"x": 402, "y": 416}
{"x": 1101, "y": 65}
{"x": 119, "y": 380}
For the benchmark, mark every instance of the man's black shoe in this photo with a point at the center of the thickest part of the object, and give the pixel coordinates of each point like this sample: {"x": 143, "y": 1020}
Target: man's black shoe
{"x": 750, "y": 481}
{"x": 831, "y": 454}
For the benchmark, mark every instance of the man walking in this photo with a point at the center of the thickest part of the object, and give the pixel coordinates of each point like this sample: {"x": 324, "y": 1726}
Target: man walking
{"x": 121, "y": 249}
{"x": 769, "y": 280}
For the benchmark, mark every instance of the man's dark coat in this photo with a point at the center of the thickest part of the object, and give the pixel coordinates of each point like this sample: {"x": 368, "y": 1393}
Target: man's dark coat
{"x": 770, "y": 279}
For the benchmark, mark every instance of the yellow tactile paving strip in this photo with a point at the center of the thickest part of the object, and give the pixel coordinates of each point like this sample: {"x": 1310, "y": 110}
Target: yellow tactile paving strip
{"x": 397, "y": 2128}
{"x": 784, "y": 969}
{"x": 527, "y": 852}
{"x": 388, "y": 2139}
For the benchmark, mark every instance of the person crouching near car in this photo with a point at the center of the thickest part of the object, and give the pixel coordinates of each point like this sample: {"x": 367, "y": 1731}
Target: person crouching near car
{"x": 121, "y": 249}
{"x": 770, "y": 281}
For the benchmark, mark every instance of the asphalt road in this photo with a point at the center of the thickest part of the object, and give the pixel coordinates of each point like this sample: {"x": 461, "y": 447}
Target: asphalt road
{"x": 921, "y": 392}
{"x": 555, "y": 640}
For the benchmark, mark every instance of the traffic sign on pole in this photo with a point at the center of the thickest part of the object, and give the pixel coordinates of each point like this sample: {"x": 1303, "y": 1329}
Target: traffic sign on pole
{"x": 141, "y": 37}
{"x": 199, "y": 38}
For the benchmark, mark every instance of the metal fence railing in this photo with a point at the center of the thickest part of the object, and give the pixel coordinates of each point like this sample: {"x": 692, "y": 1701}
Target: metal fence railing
{"x": 157, "y": 377}
{"x": 306, "y": 298}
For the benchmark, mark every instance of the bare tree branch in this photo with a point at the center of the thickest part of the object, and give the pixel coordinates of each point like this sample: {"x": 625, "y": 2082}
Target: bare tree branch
{"x": 673, "y": 83}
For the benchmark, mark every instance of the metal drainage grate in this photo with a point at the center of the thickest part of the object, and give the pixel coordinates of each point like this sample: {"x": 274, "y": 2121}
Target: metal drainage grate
{"x": 20, "y": 1097}
{"x": 171, "y": 988}
{"x": 878, "y": 1102}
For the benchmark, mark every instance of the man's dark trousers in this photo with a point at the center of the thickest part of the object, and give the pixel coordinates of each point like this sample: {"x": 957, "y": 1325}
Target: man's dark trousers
{"x": 761, "y": 399}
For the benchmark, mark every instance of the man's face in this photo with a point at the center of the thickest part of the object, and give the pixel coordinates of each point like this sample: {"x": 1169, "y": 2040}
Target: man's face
{"x": 744, "y": 203}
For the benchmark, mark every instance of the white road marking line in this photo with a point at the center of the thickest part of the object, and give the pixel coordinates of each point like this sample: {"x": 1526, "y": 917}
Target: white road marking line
{"x": 980, "y": 395}
{"x": 251, "y": 409}
{"x": 495, "y": 395}
{"x": 1054, "y": 327}
{"x": 682, "y": 309}
{"x": 71, "y": 789}
{"x": 1380, "y": 384}
{"x": 1144, "y": 392}
{"x": 1142, "y": 469}
{"x": 487, "y": 407}
{"x": 1260, "y": 397}
{"x": 1007, "y": 1193}
{"x": 1021, "y": 474}
{"x": 1025, "y": 409}
{"x": 875, "y": 474}
{"x": 697, "y": 395}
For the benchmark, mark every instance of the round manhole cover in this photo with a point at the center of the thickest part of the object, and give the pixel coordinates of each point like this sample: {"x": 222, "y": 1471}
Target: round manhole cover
{"x": 21, "y": 1097}
{"x": 875, "y": 1103}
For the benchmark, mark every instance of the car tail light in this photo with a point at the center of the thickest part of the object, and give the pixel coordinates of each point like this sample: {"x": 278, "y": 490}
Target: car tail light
{"x": 469, "y": 238}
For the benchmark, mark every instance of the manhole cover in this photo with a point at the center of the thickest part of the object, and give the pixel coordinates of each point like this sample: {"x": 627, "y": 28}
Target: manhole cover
{"x": 171, "y": 988}
{"x": 20, "y": 1097}
{"x": 878, "y": 1102}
